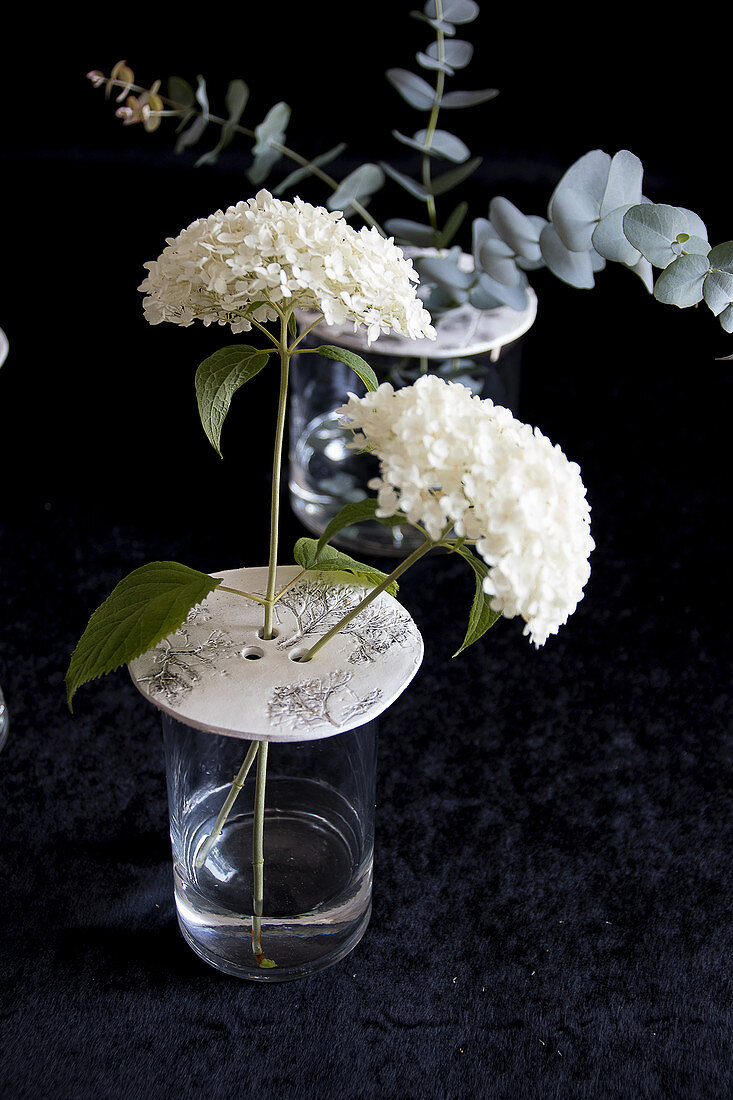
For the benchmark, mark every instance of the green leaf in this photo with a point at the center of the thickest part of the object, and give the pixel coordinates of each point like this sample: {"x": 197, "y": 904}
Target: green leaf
{"x": 358, "y": 511}
{"x": 146, "y": 606}
{"x": 329, "y": 560}
{"x": 352, "y": 360}
{"x": 217, "y": 380}
{"x": 481, "y": 617}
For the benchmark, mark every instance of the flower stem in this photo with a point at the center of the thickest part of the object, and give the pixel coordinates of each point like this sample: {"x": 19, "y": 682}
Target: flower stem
{"x": 258, "y": 856}
{"x": 226, "y": 809}
{"x": 276, "y": 468}
{"x": 401, "y": 568}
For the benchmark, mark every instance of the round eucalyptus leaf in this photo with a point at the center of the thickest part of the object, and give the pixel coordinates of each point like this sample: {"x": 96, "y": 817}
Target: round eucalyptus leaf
{"x": 434, "y": 64}
{"x": 446, "y": 145}
{"x": 698, "y": 245}
{"x": 652, "y": 228}
{"x": 444, "y": 271}
{"x": 412, "y": 186}
{"x": 695, "y": 224}
{"x": 623, "y": 186}
{"x": 610, "y": 240}
{"x": 452, "y": 100}
{"x": 574, "y": 268}
{"x": 454, "y": 11}
{"x": 575, "y": 215}
{"x": 413, "y": 89}
{"x": 538, "y": 223}
{"x": 358, "y": 186}
{"x": 487, "y": 288}
{"x": 514, "y": 227}
{"x": 412, "y": 232}
{"x": 721, "y": 257}
{"x": 726, "y": 319}
{"x": 681, "y": 282}
{"x": 496, "y": 258}
{"x": 448, "y": 180}
{"x": 588, "y": 174}
{"x": 718, "y": 291}
{"x": 597, "y": 262}
{"x": 456, "y": 53}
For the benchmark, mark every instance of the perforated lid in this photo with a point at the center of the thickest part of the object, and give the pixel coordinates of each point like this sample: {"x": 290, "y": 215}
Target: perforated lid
{"x": 217, "y": 674}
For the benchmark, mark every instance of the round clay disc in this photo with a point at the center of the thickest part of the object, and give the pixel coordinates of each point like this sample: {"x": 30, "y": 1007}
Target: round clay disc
{"x": 217, "y": 674}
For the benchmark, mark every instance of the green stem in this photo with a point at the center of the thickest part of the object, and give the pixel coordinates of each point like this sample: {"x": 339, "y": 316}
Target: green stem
{"x": 432, "y": 125}
{"x": 258, "y": 853}
{"x": 226, "y": 809}
{"x": 276, "y": 469}
{"x": 240, "y": 592}
{"x": 394, "y": 575}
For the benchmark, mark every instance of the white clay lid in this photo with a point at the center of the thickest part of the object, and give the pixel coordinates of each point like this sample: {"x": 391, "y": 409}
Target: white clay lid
{"x": 461, "y": 332}
{"x": 215, "y": 673}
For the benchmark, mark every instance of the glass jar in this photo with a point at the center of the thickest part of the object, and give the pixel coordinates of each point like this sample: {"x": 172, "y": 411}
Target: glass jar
{"x": 480, "y": 349}
{"x": 318, "y": 848}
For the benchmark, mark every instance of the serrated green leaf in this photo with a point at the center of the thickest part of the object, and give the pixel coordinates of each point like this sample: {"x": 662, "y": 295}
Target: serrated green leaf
{"x": 217, "y": 380}
{"x": 353, "y": 361}
{"x": 329, "y": 560}
{"x": 146, "y": 606}
{"x": 481, "y": 617}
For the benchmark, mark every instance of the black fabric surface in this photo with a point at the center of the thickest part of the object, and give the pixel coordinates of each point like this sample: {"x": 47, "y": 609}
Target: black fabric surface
{"x": 552, "y": 880}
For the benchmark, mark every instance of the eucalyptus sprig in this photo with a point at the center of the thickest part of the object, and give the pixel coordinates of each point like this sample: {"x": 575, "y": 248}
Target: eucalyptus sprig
{"x": 593, "y": 216}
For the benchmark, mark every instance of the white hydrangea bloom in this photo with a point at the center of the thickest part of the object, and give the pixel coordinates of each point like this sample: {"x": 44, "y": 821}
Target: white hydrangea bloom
{"x": 449, "y": 459}
{"x": 271, "y": 251}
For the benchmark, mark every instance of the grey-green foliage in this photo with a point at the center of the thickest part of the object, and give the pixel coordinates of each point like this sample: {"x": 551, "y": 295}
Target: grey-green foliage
{"x": 596, "y": 214}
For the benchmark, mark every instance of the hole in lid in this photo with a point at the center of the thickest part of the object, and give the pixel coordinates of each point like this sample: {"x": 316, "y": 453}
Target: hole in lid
{"x": 252, "y": 653}
{"x": 296, "y": 654}
{"x": 261, "y": 634}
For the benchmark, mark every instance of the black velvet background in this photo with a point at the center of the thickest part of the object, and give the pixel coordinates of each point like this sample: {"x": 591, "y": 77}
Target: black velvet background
{"x": 552, "y": 891}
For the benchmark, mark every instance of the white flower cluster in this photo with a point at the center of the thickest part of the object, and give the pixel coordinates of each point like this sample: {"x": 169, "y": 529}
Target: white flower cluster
{"x": 274, "y": 252}
{"x": 449, "y": 460}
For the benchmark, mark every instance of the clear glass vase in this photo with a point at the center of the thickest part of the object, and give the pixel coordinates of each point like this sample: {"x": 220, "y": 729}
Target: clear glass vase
{"x": 318, "y": 848}
{"x": 481, "y": 350}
